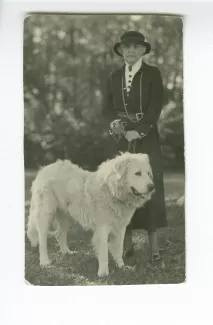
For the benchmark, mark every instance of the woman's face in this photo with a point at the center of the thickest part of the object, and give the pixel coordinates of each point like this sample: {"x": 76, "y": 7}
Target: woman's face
{"x": 132, "y": 52}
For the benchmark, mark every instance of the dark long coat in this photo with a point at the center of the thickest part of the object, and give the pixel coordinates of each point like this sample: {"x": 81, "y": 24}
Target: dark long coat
{"x": 153, "y": 214}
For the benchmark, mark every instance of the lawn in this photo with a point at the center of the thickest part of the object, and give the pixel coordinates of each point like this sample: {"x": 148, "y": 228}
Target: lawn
{"x": 81, "y": 269}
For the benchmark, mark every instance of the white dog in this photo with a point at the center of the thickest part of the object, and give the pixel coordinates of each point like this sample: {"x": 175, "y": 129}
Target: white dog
{"x": 103, "y": 201}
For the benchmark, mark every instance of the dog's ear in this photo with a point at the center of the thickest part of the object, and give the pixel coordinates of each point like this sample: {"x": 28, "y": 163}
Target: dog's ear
{"x": 121, "y": 165}
{"x": 112, "y": 171}
{"x": 116, "y": 166}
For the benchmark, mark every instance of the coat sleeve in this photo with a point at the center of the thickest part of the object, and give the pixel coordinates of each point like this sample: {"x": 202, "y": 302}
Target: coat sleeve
{"x": 108, "y": 107}
{"x": 154, "y": 108}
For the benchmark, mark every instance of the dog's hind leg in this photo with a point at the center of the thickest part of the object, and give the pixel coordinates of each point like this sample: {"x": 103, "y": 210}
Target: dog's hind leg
{"x": 116, "y": 247}
{"x": 43, "y": 227}
{"x": 46, "y": 213}
{"x": 100, "y": 242}
{"x": 32, "y": 232}
{"x": 61, "y": 236}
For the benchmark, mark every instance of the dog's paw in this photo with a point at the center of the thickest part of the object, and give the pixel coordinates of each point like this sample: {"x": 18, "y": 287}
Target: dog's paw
{"x": 45, "y": 263}
{"x": 120, "y": 264}
{"x": 103, "y": 272}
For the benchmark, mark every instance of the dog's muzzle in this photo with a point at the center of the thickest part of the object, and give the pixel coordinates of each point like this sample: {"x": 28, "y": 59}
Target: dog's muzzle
{"x": 151, "y": 187}
{"x": 151, "y": 190}
{"x": 136, "y": 193}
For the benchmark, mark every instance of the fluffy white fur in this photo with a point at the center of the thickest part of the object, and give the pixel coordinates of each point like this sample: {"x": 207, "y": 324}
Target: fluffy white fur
{"x": 103, "y": 201}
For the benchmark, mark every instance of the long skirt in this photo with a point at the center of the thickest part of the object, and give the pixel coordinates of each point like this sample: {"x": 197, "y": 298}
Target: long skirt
{"x": 153, "y": 215}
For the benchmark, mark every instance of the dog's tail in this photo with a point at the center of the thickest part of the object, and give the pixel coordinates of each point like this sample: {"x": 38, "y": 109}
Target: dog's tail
{"x": 32, "y": 232}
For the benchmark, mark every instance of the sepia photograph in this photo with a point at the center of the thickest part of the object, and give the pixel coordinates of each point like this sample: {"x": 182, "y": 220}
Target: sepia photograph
{"x": 104, "y": 149}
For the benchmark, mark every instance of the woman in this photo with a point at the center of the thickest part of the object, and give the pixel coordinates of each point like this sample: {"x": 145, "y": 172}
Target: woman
{"x": 135, "y": 95}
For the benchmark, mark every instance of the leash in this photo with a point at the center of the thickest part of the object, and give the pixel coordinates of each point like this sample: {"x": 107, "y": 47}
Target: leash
{"x": 117, "y": 131}
{"x": 132, "y": 146}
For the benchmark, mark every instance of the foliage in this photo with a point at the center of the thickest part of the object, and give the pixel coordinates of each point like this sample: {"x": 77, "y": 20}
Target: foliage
{"x": 66, "y": 62}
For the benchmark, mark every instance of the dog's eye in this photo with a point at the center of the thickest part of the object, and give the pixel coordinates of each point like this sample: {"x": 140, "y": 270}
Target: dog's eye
{"x": 138, "y": 173}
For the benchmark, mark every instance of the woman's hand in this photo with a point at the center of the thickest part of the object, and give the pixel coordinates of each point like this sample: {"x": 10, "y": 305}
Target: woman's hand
{"x": 132, "y": 135}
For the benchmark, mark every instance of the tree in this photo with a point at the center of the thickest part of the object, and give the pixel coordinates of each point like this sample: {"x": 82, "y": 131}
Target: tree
{"x": 66, "y": 62}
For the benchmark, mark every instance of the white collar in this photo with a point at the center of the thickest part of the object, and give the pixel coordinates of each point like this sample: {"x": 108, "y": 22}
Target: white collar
{"x": 136, "y": 66}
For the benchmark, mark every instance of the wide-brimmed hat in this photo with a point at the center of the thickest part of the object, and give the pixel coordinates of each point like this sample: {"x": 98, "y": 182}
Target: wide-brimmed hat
{"x": 132, "y": 37}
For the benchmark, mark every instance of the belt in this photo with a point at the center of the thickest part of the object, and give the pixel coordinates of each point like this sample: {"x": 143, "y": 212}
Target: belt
{"x": 135, "y": 117}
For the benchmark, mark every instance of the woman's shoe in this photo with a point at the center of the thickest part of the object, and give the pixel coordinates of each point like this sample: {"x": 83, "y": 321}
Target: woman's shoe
{"x": 156, "y": 257}
{"x": 158, "y": 261}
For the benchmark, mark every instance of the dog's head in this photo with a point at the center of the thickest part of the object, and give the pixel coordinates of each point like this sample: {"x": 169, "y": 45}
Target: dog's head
{"x": 129, "y": 178}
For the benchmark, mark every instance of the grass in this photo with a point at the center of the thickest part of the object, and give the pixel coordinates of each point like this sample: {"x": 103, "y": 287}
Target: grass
{"x": 81, "y": 269}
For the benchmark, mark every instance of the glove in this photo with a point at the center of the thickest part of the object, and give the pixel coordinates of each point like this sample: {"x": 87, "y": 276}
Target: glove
{"x": 132, "y": 135}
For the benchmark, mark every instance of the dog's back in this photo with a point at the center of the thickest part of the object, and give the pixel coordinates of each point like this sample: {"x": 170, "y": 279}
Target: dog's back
{"x": 61, "y": 170}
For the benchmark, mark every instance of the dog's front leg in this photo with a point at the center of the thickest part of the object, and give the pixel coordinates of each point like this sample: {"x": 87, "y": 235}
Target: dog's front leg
{"x": 116, "y": 247}
{"x": 100, "y": 241}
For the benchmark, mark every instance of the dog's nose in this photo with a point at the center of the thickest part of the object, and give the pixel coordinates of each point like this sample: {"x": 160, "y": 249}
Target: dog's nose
{"x": 151, "y": 187}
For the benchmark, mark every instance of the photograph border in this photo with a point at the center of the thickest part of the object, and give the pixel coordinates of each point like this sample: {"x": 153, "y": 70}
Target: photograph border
{"x": 185, "y": 301}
